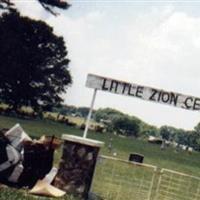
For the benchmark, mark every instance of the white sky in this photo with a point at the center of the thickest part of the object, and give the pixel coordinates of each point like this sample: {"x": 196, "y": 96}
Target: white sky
{"x": 152, "y": 43}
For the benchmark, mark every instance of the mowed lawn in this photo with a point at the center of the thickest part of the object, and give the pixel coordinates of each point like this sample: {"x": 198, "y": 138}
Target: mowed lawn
{"x": 181, "y": 161}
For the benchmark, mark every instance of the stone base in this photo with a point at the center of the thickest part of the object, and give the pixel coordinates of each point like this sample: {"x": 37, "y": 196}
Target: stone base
{"x": 77, "y": 165}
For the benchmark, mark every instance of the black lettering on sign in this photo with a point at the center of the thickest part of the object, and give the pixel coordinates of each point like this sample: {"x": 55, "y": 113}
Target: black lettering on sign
{"x": 139, "y": 91}
{"x": 130, "y": 90}
{"x": 152, "y": 97}
{"x": 104, "y": 85}
{"x": 159, "y": 96}
{"x": 165, "y": 97}
{"x": 124, "y": 88}
{"x": 114, "y": 86}
{"x": 196, "y": 105}
{"x": 188, "y": 102}
{"x": 174, "y": 98}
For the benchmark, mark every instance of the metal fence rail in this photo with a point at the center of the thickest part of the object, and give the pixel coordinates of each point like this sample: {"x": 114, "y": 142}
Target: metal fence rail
{"x": 173, "y": 185}
{"x": 116, "y": 179}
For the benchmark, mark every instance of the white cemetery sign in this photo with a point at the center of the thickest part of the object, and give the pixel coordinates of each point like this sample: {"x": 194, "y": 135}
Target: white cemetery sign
{"x": 141, "y": 92}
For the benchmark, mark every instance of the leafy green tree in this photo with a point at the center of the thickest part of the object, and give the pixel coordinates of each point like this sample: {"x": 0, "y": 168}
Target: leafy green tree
{"x": 148, "y": 130}
{"x": 193, "y": 140}
{"x": 46, "y": 4}
{"x": 107, "y": 114}
{"x": 196, "y": 135}
{"x": 181, "y": 137}
{"x": 6, "y": 4}
{"x": 118, "y": 121}
{"x": 83, "y": 111}
{"x": 197, "y": 128}
{"x": 168, "y": 132}
{"x": 164, "y": 132}
{"x": 67, "y": 110}
{"x": 126, "y": 125}
{"x": 33, "y": 64}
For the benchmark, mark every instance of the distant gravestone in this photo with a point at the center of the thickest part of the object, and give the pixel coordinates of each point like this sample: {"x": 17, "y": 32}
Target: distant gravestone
{"x": 135, "y": 157}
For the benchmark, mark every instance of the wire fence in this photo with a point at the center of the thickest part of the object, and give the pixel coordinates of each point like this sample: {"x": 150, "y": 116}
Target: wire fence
{"x": 117, "y": 179}
{"x": 177, "y": 186}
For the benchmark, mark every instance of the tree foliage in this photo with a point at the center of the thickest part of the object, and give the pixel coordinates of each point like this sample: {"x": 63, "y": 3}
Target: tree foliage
{"x": 148, "y": 130}
{"x": 83, "y": 111}
{"x": 6, "y": 4}
{"x": 33, "y": 64}
{"x": 118, "y": 121}
{"x": 126, "y": 125}
{"x": 46, "y": 4}
{"x": 49, "y": 4}
{"x": 107, "y": 114}
{"x": 181, "y": 136}
{"x": 167, "y": 132}
{"x": 197, "y": 128}
{"x": 73, "y": 110}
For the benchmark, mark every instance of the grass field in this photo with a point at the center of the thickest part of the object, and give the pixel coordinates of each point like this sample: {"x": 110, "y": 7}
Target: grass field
{"x": 181, "y": 161}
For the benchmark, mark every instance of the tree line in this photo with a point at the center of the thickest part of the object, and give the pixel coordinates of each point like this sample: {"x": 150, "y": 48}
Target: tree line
{"x": 127, "y": 125}
{"x": 131, "y": 126}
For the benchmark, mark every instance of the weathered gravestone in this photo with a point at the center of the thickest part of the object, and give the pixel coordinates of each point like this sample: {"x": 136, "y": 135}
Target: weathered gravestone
{"x": 77, "y": 165}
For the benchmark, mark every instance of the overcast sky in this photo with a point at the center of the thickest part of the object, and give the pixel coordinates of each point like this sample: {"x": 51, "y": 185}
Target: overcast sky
{"x": 152, "y": 43}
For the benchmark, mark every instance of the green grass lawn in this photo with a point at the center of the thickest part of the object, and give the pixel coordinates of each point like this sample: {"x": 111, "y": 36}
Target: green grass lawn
{"x": 181, "y": 161}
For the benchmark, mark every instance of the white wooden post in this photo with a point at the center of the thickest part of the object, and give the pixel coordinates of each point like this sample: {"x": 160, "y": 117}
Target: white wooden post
{"x": 90, "y": 114}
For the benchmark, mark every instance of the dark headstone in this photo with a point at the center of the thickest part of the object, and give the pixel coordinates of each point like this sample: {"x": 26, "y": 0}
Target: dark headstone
{"x": 134, "y": 157}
